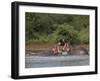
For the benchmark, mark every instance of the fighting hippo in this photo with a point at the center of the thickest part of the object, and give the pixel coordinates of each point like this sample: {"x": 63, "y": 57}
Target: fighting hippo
{"x": 79, "y": 50}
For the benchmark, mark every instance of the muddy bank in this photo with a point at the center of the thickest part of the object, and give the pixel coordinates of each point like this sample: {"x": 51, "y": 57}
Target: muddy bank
{"x": 46, "y": 49}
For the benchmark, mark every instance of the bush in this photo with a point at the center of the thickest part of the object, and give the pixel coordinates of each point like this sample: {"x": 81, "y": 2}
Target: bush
{"x": 45, "y": 28}
{"x": 67, "y": 32}
{"x": 84, "y": 37}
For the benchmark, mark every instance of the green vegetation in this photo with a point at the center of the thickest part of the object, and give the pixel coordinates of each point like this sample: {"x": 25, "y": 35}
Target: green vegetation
{"x": 50, "y": 28}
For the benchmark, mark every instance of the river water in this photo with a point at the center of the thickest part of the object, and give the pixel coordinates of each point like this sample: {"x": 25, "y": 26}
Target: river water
{"x": 56, "y": 61}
